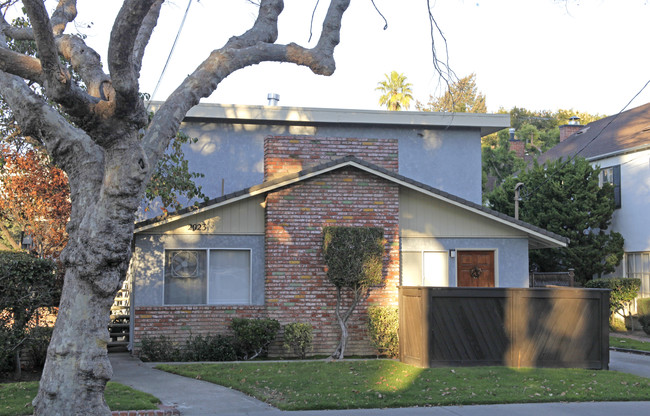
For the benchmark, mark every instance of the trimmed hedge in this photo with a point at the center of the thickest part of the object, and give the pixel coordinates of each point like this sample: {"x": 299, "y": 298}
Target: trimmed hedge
{"x": 298, "y": 338}
{"x": 383, "y": 325}
{"x": 623, "y": 291}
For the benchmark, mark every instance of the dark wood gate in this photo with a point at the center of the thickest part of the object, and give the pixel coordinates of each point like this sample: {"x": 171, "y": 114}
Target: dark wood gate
{"x": 543, "y": 327}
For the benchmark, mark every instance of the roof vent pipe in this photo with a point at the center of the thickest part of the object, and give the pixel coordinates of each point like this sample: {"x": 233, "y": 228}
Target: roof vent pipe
{"x": 273, "y": 99}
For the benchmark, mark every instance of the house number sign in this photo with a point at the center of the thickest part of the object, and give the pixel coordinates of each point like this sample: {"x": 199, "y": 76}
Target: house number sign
{"x": 199, "y": 226}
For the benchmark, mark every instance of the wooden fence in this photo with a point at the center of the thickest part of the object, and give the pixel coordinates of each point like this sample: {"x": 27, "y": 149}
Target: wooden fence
{"x": 542, "y": 279}
{"x": 543, "y": 327}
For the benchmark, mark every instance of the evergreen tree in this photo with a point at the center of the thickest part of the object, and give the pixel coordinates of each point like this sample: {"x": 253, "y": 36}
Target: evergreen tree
{"x": 565, "y": 198}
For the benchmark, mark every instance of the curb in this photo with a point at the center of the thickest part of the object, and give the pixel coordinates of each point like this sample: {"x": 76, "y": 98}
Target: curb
{"x": 629, "y": 350}
{"x": 163, "y": 411}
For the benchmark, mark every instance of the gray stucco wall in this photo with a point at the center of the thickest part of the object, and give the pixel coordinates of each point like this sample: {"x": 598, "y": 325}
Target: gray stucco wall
{"x": 511, "y": 256}
{"x": 447, "y": 159}
{"x": 147, "y": 266}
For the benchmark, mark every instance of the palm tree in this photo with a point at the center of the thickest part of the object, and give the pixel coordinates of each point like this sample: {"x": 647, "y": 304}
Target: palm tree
{"x": 396, "y": 92}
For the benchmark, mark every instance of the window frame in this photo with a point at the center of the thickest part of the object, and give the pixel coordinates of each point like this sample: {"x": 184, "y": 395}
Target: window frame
{"x": 207, "y": 274}
{"x": 615, "y": 181}
{"x": 421, "y": 254}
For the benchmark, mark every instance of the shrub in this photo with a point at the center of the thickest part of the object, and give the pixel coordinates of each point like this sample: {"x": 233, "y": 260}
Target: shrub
{"x": 253, "y": 336}
{"x": 298, "y": 338}
{"x": 37, "y": 343}
{"x": 643, "y": 310}
{"x": 623, "y": 291}
{"x": 159, "y": 348}
{"x": 210, "y": 348}
{"x": 26, "y": 284}
{"x": 383, "y": 323}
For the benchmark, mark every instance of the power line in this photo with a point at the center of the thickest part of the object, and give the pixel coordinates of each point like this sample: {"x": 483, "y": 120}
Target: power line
{"x": 570, "y": 159}
{"x": 171, "y": 52}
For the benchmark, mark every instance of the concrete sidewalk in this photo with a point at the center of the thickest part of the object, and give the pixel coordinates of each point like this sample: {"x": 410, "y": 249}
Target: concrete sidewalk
{"x": 199, "y": 398}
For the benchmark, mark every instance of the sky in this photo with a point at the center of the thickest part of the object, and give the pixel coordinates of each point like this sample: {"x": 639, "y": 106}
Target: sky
{"x": 590, "y": 56}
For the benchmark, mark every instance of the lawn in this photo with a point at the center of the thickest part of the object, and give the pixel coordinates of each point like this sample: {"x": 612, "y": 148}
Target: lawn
{"x": 16, "y": 398}
{"x": 629, "y": 343}
{"x": 385, "y": 383}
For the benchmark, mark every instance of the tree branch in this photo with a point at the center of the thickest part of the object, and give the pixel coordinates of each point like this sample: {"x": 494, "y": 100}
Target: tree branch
{"x": 248, "y": 49}
{"x": 65, "y": 12}
{"x": 144, "y": 34}
{"x": 87, "y": 63}
{"x": 16, "y": 33}
{"x": 121, "y": 59}
{"x": 7, "y": 235}
{"x": 57, "y": 80}
{"x": 21, "y": 65}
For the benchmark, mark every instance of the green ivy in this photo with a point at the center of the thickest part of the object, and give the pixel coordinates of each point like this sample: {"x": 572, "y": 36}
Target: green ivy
{"x": 353, "y": 256}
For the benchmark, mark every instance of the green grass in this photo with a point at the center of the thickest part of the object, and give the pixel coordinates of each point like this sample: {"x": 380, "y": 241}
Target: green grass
{"x": 384, "y": 383}
{"x": 16, "y": 398}
{"x": 632, "y": 344}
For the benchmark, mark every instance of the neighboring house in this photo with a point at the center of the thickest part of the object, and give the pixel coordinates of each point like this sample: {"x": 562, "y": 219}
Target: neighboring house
{"x": 256, "y": 252}
{"x": 620, "y": 146}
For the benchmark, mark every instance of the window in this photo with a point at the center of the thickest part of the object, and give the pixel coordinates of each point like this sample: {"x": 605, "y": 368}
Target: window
{"x": 638, "y": 265}
{"x": 215, "y": 277}
{"x": 612, "y": 175}
{"x": 425, "y": 268}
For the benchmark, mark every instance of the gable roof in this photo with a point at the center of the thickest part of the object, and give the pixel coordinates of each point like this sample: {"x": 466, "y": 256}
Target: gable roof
{"x": 538, "y": 237}
{"x": 626, "y": 132}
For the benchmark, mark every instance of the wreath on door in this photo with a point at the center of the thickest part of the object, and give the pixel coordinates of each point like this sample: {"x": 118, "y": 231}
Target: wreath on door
{"x": 475, "y": 272}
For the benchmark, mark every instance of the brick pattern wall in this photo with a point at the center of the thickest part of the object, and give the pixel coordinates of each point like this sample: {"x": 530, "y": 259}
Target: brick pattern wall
{"x": 176, "y": 323}
{"x": 289, "y": 154}
{"x": 297, "y": 288}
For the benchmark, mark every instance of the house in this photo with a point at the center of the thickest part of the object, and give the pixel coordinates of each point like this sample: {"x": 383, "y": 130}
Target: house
{"x": 620, "y": 146}
{"x": 256, "y": 252}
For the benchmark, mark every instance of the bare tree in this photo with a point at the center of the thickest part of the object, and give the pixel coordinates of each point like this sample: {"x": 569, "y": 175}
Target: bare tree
{"x": 95, "y": 135}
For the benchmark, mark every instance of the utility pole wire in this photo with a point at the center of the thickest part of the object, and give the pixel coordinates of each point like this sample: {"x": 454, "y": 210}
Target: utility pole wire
{"x": 171, "y": 52}
{"x": 570, "y": 159}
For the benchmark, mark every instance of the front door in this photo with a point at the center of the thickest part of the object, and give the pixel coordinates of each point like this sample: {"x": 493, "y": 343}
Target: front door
{"x": 475, "y": 268}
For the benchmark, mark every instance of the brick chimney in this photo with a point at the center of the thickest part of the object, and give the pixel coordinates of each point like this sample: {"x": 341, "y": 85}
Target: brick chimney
{"x": 573, "y": 127}
{"x": 518, "y": 147}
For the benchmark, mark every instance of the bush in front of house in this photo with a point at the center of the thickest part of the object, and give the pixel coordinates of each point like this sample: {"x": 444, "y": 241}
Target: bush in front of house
{"x": 298, "y": 337}
{"x": 253, "y": 336}
{"x": 27, "y": 283}
{"x": 623, "y": 291}
{"x": 251, "y": 339}
{"x": 210, "y": 348}
{"x": 158, "y": 349}
{"x": 643, "y": 311}
{"x": 383, "y": 324}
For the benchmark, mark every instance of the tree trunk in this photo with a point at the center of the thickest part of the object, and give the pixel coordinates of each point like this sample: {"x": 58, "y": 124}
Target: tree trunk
{"x": 339, "y": 353}
{"x": 77, "y": 367}
{"x": 95, "y": 259}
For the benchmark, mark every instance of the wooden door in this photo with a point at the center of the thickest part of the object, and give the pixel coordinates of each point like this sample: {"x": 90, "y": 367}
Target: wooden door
{"x": 475, "y": 268}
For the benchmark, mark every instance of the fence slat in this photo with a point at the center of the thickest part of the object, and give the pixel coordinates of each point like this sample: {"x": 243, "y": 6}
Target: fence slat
{"x": 537, "y": 327}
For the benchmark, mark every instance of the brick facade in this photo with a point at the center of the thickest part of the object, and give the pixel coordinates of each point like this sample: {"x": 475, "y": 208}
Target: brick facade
{"x": 296, "y": 286}
{"x": 290, "y": 154}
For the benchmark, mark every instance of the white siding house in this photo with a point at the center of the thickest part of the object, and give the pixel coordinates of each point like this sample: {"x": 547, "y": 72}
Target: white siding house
{"x": 620, "y": 146}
